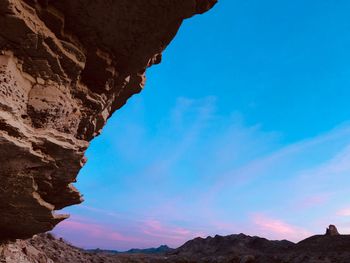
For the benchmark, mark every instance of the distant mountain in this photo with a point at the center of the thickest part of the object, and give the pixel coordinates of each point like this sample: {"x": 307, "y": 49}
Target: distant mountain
{"x": 102, "y": 251}
{"x": 159, "y": 250}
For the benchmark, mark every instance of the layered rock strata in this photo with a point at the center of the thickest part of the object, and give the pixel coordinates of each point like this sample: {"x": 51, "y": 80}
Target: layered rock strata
{"x": 65, "y": 67}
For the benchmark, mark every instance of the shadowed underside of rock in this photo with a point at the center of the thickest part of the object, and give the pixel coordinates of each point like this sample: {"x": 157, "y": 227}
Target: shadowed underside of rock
{"x": 65, "y": 67}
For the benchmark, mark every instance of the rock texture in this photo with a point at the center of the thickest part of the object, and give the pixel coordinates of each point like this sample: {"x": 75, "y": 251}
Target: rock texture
{"x": 65, "y": 67}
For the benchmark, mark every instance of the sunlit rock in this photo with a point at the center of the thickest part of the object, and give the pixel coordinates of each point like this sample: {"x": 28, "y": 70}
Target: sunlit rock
{"x": 65, "y": 67}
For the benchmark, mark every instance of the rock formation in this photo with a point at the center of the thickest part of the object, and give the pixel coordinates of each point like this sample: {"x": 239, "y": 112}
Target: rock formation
{"x": 332, "y": 231}
{"x": 65, "y": 67}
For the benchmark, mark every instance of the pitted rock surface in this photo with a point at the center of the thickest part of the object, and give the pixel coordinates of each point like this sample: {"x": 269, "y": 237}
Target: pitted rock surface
{"x": 65, "y": 67}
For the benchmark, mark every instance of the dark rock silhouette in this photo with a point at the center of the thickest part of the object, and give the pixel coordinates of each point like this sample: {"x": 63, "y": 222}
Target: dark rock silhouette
{"x": 235, "y": 244}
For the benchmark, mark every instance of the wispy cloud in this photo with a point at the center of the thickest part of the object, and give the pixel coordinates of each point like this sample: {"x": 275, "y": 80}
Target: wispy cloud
{"x": 286, "y": 155}
{"x": 84, "y": 233}
{"x": 146, "y": 233}
{"x": 345, "y": 212}
{"x": 311, "y": 201}
{"x": 95, "y": 230}
{"x": 278, "y": 229}
{"x": 173, "y": 234}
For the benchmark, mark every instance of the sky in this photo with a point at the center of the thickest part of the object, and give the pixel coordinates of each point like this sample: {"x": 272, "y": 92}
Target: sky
{"x": 244, "y": 127}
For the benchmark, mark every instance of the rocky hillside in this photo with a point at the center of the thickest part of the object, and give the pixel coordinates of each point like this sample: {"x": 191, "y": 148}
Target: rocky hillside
{"x": 328, "y": 248}
{"x": 44, "y": 248}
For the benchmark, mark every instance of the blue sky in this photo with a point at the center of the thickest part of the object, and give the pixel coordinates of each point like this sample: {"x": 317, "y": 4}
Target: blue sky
{"x": 244, "y": 127}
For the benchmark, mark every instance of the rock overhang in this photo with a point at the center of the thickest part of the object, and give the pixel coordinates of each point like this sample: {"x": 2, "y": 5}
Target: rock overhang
{"x": 65, "y": 67}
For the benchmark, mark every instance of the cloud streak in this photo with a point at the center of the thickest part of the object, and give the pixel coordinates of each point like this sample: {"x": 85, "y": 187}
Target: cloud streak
{"x": 345, "y": 212}
{"x": 277, "y": 229}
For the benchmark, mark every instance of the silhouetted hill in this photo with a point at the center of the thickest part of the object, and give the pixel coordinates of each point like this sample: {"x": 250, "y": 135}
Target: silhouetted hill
{"x": 232, "y": 244}
{"x": 159, "y": 250}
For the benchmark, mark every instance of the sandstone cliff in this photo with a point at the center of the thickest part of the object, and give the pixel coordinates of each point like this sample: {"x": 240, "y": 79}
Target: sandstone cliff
{"x": 65, "y": 67}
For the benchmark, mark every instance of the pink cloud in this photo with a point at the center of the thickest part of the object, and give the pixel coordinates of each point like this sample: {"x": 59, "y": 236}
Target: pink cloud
{"x": 278, "y": 229}
{"x": 173, "y": 235}
{"x": 344, "y": 212}
{"x": 87, "y": 234}
{"x": 315, "y": 200}
{"x": 147, "y": 233}
{"x": 94, "y": 230}
{"x": 311, "y": 201}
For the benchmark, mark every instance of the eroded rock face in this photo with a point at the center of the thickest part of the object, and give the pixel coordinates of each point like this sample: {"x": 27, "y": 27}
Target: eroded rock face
{"x": 65, "y": 67}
